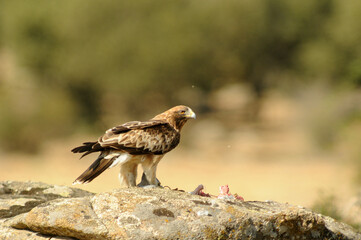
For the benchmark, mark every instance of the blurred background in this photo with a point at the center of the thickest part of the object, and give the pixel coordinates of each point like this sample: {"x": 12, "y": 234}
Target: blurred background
{"x": 276, "y": 86}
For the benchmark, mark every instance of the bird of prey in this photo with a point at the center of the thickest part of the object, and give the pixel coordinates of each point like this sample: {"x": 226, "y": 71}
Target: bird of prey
{"x": 136, "y": 143}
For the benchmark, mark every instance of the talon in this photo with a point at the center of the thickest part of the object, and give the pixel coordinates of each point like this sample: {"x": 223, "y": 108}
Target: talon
{"x": 145, "y": 182}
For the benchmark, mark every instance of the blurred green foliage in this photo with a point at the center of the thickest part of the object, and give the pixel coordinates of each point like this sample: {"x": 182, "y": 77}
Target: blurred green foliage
{"x": 328, "y": 203}
{"x": 84, "y": 63}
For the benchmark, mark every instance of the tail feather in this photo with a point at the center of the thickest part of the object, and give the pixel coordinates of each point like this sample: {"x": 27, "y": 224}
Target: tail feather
{"x": 87, "y": 148}
{"x": 97, "y": 167}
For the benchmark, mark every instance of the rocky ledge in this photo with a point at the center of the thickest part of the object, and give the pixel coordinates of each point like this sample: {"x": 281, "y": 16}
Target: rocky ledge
{"x": 32, "y": 210}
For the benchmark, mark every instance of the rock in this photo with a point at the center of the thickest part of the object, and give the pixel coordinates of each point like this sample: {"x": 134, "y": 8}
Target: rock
{"x": 20, "y": 197}
{"x": 73, "y": 217}
{"x": 7, "y": 233}
{"x": 137, "y": 213}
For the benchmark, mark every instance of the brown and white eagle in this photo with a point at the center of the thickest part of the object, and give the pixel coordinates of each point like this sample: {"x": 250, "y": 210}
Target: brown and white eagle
{"x": 136, "y": 143}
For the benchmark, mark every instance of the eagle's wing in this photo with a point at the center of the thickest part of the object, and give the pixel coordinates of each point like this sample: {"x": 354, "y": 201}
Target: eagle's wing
{"x": 154, "y": 136}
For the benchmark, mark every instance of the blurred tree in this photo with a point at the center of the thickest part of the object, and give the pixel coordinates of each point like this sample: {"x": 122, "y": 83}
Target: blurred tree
{"x": 107, "y": 58}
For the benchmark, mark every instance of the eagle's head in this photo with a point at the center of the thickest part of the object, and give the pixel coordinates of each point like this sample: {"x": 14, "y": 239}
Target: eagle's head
{"x": 177, "y": 116}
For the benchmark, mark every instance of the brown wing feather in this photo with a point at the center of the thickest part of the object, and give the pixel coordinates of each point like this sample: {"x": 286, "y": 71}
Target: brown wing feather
{"x": 155, "y": 137}
{"x": 133, "y": 125}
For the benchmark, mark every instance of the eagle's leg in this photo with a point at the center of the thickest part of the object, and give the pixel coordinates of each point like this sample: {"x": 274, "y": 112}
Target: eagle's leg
{"x": 128, "y": 174}
{"x": 149, "y": 166}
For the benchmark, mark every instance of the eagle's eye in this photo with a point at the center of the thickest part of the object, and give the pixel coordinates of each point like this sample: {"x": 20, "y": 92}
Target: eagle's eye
{"x": 182, "y": 112}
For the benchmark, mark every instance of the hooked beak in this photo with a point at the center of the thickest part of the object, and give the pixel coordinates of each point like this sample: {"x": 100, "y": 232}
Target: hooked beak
{"x": 191, "y": 114}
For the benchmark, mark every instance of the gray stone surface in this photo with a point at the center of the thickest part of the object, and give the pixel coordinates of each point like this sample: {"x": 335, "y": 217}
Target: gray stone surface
{"x": 20, "y": 197}
{"x": 136, "y": 213}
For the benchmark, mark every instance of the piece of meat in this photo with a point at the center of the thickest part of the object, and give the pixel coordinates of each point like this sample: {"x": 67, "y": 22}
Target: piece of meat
{"x": 225, "y": 194}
